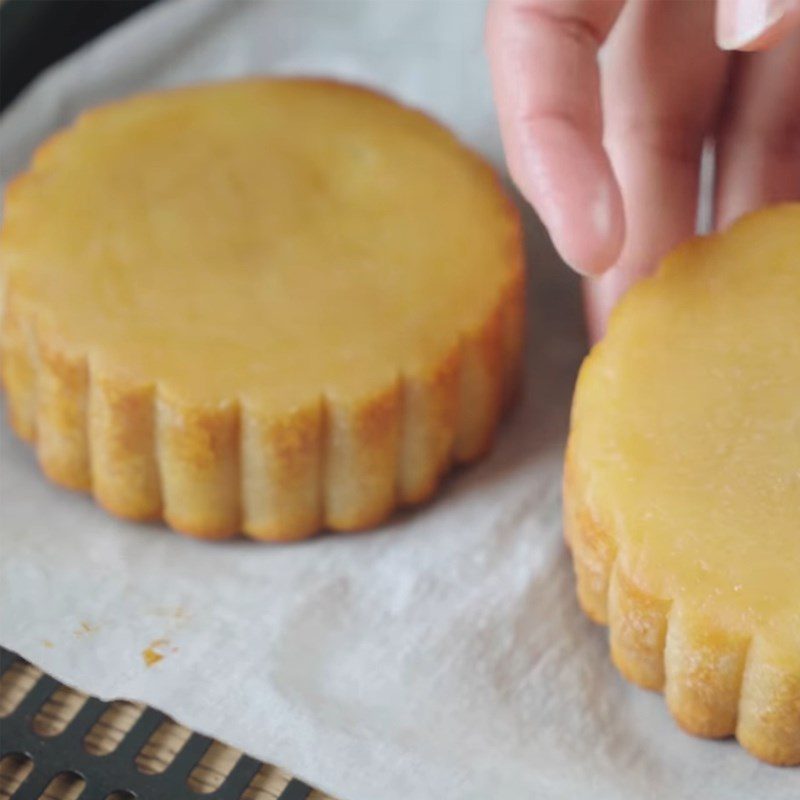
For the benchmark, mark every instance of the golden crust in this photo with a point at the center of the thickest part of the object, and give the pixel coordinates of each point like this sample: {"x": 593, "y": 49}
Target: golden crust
{"x": 212, "y": 472}
{"x": 716, "y": 684}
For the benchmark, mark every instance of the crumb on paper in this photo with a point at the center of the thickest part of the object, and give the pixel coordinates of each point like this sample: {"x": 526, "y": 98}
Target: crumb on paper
{"x": 86, "y": 628}
{"x": 153, "y": 653}
{"x": 48, "y": 644}
{"x": 151, "y": 657}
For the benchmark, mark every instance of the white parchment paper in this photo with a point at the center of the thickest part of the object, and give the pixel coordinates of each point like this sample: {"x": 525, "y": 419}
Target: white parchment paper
{"x": 443, "y": 656}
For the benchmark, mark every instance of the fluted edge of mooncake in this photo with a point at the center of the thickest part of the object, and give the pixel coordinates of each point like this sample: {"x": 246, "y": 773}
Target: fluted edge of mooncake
{"x": 717, "y": 683}
{"x": 214, "y": 471}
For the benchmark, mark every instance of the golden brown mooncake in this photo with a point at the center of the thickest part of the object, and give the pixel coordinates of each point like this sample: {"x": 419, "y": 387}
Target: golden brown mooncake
{"x": 270, "y": 306}
{"x": 682, "y": 484}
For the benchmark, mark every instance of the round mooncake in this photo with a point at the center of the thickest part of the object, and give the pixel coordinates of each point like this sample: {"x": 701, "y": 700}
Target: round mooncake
{"x": 682, "y": 484}
{"x": 270, "y": 306}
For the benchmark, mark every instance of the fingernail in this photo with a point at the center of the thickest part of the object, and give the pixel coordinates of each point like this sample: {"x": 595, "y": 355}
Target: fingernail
{"x": 742, "y": 22}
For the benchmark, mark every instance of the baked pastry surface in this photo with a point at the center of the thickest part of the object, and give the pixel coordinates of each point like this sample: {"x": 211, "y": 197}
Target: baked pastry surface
{"x": 682, "y": 484}
{"x": 268, "y": 306}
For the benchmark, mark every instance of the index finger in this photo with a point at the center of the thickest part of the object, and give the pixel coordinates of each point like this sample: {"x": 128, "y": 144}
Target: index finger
{"x": 543, "y": 59}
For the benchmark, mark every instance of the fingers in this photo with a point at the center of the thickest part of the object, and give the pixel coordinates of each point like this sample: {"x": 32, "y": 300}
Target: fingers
{"x": 758, "y": 149}
{"x": 662, "y": 83}
{"x": 543, "y": 57}
{"x": 755, "y": 24}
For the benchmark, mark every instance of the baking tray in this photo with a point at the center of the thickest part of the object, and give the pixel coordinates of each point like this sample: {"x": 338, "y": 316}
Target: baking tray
{"x": 36, "y": 33}
{"x": 59, "y": 744}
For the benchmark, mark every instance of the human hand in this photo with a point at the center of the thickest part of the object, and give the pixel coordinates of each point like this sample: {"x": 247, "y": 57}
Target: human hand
{"x": 608, "y": 150}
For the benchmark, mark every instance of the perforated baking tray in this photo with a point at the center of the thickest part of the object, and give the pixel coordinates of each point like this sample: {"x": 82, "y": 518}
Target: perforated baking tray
{"x": 59, "y": 744}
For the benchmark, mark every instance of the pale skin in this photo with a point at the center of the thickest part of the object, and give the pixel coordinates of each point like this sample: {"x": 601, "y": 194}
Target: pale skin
{"x": 605, "y": 107}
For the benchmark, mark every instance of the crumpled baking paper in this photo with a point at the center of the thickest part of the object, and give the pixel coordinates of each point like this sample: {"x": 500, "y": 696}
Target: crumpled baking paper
{"x": 442, "y": 656}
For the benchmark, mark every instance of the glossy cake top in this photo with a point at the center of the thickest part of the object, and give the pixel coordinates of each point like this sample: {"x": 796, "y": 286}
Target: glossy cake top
{"x": 265, "y": 240}
{"x": 686, "y": 429}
